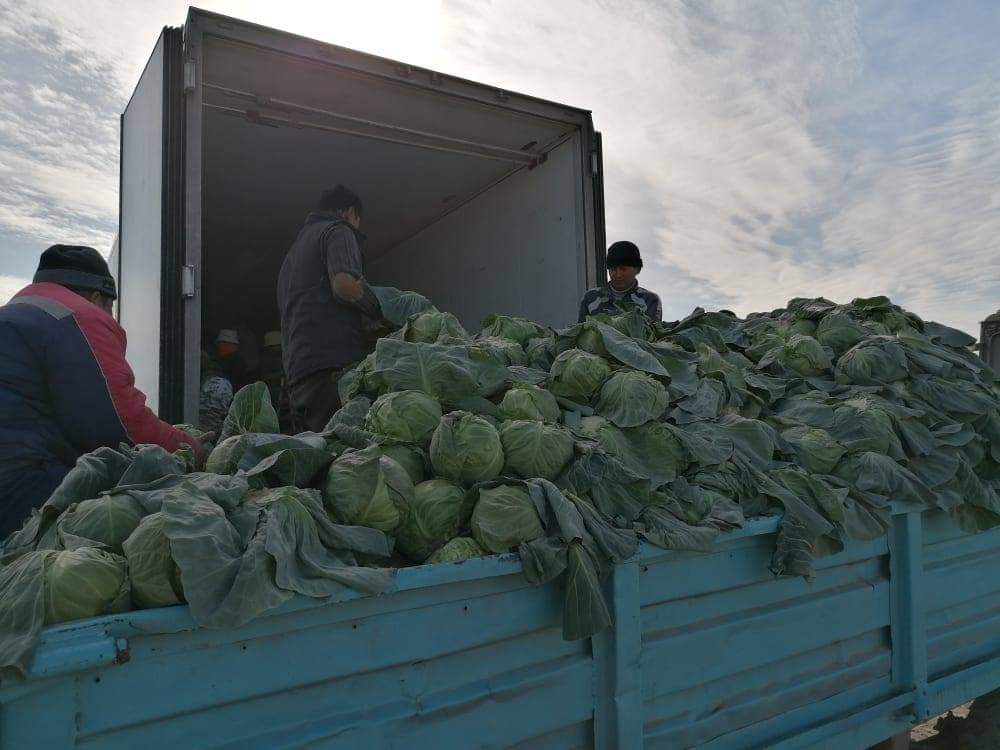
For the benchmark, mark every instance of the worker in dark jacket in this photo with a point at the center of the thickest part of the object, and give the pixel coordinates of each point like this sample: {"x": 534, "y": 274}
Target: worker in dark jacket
{"x": 623, "y": 291}
{"x": 65, "y": 387}
{"x": 324, "y": 302}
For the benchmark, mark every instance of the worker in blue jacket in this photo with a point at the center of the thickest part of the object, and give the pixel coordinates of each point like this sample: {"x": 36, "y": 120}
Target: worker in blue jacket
{"x": 622, "y": 292}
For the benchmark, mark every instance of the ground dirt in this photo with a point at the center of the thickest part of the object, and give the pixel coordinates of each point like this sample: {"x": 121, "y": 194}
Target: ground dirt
{"x": 941, "y": 732}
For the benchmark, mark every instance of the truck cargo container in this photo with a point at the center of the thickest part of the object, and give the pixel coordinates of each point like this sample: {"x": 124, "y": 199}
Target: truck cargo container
{"x": 482, "y": 199}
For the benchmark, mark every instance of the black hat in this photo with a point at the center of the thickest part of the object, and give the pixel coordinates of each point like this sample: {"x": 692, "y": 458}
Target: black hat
{"x": 623, "y": 253}
{"x": 78, "y": 267}
{"x": 339, "y": 198}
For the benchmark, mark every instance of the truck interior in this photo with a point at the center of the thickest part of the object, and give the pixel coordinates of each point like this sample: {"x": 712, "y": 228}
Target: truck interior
{"x": 478, "y": 206}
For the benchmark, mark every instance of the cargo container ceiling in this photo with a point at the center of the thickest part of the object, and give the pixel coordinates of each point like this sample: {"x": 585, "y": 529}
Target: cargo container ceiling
{"x": 279, "y": 128}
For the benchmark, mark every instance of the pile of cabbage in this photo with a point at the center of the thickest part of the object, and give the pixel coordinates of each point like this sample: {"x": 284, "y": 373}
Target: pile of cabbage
{"x": 566, "y": 447}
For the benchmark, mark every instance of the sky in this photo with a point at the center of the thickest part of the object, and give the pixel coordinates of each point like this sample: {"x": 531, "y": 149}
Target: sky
{"x": 755, "y": 151}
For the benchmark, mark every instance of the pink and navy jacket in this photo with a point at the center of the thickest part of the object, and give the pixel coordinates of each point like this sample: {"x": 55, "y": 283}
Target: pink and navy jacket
{"x": 65, "y": 390}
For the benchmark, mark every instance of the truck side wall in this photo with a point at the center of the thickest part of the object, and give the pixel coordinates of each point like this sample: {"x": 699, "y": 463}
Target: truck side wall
{"x": 707, "y": 650}
{"x": 758, "y": 654}
{"x": 525, "y": 233}
{"x": 141, "y": 225}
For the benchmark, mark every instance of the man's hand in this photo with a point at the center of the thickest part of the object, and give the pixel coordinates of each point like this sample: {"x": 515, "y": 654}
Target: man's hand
{"x": 200, "y": 448}
{"x": 355, "y": 293}
{"x": 347, "y": 288}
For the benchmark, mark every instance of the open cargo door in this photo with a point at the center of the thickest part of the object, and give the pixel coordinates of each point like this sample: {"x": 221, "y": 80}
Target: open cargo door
{"x": 151, "y": 239}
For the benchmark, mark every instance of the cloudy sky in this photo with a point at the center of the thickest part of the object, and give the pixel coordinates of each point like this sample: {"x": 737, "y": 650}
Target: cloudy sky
{"x": 755, "y": 150}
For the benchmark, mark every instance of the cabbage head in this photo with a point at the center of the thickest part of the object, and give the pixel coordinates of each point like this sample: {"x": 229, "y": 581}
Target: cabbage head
{"x": 630, "y": 398}
{"x": 541, "y": 353}
{"x": 839, "y": 331}
{"x": 466, "y": 448}
{"x": 434, "y": 327}
{"x": 105, "y": 521}
{"x": 764, "y": 341}
{"x": 879, "y": 474}
{"x": 804, "y": 327}
{"x": 438, "y": 512}
{"x": 875, "y": 361}
{"x": 250, "y": 411}
{"x": 815, "y": 449}
{"x": 502, "y": 351}
{"x": 536, "y": 449}
{"x": 651, "y": 451}
{"x": 367, "y": 488}
{"x": 397, "y": 306}
{"x": 508, "y": 327}
{"x": 860, "y": 424}
{"x": 504, "y": 517}
{"x": 156, "y": 579}
{"x": 801, "y": 354}
{"x": 360, "y": 380}
{"x": 458, "y": 549}
{"x": 530, "y": 402}
{"x": 412, "y": 459}
{"x": 881, "y": 311}
{"x": 225, "y": 457}
{"x": 577, "y": 374}
{"x": 406, "y": 416}
{"x": 632, "y": 323}
{"x": 590, "y": 340}
{"x": 84, "y": 582}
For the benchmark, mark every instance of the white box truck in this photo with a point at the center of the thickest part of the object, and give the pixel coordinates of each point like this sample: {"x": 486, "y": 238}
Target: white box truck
{"x": 482, "y": 199}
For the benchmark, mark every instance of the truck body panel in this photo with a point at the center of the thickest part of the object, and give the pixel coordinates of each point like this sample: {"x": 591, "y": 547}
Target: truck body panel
{"x": 141, "y": 220}
{"x": 708, "y": 650}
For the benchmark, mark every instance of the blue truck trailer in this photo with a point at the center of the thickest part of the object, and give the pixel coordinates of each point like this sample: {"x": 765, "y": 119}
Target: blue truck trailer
{"x": 707, "y": 650}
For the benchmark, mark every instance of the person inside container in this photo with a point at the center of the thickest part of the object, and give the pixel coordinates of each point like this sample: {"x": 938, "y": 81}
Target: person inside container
{"x": 229, "y": 358}
{"x": 622, "y": 292}
{"x": 221, "y": 376}
{"x": 65, "y": 386}
{"x": 326, "y": 306}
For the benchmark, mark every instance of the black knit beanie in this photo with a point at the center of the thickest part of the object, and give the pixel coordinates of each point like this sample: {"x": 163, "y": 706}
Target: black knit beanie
{"x": 340, "y": 198}
{"x": 78, "y": 267}
{"x": 623, "y": 253}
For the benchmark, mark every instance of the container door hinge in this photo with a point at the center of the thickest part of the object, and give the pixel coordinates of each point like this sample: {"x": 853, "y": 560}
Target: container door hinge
{"x": 187, "y": 282}
{"x": 190, "y": 76}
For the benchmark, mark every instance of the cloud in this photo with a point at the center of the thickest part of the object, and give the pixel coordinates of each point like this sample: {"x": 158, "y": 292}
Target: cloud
{"x": 58, "y": 137}
{"x": 9, "y": 286}
{"x": 923, "y": 222}
{"x": 756, "y": 152}
{"x": 66, "y": 73}
{"x": 779, "y": 150}
{"x": 705, "y": 107}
